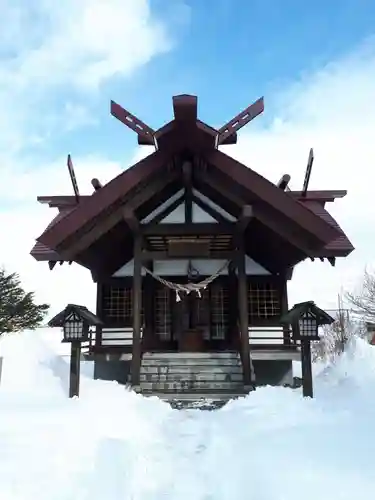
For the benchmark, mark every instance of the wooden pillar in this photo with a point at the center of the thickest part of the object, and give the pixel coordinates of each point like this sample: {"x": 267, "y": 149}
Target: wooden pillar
{"x": 232, "y": 303}
{"x": 99, "y": 313}
{"x": 75, "y": 368}
{"x": 284, "y": 309}
{"x": 137, "y": 306}
{"x": 149, "y": 289}
{"x": 243, "y": 315}
{"x": 307, "y": 382}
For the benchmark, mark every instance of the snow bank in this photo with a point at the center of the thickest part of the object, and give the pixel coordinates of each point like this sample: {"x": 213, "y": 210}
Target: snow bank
{"x": 113, "y": 444}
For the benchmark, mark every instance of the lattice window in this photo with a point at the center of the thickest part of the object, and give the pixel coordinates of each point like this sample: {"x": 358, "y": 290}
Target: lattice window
{"x": 263, "y": 300}
{"x": 118, "y": 304}
{"x": 163, "y": 316}
{"x": 219, "y": 311}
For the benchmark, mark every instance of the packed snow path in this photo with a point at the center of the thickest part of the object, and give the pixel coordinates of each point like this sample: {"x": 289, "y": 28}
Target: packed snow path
{"x": 112, "y": 444}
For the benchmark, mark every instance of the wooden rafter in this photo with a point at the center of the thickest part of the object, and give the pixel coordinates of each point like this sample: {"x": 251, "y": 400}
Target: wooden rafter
{"x": 73, "y": 178}
{"x": 244, "y": 218}
{"x": 240, "y": 120}
{"x": 131, "y": 121}
{"x": 105, "y": 225}
{"x": 306, "y": 181}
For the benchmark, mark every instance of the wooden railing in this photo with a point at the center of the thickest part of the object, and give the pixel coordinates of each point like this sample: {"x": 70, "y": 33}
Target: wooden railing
{"x": 270, "y": 337}
{"x": 259, "y": 337}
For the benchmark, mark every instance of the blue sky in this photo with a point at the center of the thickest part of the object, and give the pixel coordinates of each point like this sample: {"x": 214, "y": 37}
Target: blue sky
{"x": 62, "y": 62}
{"x": 228, "y": 52}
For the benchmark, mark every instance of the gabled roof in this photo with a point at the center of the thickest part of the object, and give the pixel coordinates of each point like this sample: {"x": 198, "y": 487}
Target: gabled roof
{"x": 82, "y": 311}
{"x": 298, "y": 310}
{"x": 188, "y": 139}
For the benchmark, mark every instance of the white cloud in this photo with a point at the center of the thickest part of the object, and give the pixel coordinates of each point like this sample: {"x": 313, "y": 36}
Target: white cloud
{"x": 332, "y": 112}
{"x": 52, "y": 55}
{"x": 82, "y": 43}
{"x": 67, "y": 46}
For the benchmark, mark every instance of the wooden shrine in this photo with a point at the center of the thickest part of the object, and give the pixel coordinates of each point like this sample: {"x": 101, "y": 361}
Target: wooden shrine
{"x": 191, "y": 250}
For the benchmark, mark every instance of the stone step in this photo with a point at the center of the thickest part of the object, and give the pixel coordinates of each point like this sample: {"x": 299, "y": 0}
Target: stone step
{"x": 195, "y": 355}
{"x": 196, "y": 396}
{"x": 191, "y": 386}
{"x": 190, "y": 369}
{"x": 189, "y": 361}
{"x": 215, "y": 377}
{"x": 197, "y": 401}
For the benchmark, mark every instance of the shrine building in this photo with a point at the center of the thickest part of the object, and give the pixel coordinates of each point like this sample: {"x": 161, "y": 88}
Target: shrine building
{"x": 191, "y": 252}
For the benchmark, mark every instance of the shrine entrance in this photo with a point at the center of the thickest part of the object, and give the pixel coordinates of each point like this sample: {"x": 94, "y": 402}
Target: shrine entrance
{"x": 195, "y": 323}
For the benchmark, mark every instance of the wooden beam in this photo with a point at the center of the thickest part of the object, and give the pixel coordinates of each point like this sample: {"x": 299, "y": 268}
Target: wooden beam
{"x": 61, "y": 201}
{"x": 244, "y": 218}
{"x": 187, "y": 172}
{"x": 131, "y": 220}
{"x": 137, "y": 306}
{"x": 161, "y": 255}
{"x": 198, "y": 229}
{"x": 324, "y": 195}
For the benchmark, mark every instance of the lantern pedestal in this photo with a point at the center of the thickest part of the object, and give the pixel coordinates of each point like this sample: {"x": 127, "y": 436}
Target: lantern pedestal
{"x": 307, "y": 382}
{"x": 305, "y": 319}
{"x": 75, "y": 369}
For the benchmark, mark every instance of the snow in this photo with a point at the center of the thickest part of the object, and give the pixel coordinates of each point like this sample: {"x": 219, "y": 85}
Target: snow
{"x": 112, "y": 444}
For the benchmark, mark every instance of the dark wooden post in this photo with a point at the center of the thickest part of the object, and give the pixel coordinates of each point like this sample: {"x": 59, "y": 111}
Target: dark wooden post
{"x": 75, "y": 366}
{"x": 99, "y": 312}
{"x": 284, "y": 308}
{"x": 137, "y": 306}
{"x": 149, "y": 327}
{"x": 307, "y": 382}
{"x": 243, "y": 313}
{"x": 232, "y": 303}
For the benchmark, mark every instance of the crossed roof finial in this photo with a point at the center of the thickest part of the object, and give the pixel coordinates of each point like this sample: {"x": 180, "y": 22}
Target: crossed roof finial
{"x": 185, "y": 112}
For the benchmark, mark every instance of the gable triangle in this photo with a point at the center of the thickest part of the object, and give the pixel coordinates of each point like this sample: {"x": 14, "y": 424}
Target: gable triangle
{"x": 200, "y": 215}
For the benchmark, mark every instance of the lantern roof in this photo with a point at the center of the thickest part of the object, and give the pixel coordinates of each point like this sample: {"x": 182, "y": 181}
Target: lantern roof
{"x": 81, "y": 311}
{"x": 300, "y": 309}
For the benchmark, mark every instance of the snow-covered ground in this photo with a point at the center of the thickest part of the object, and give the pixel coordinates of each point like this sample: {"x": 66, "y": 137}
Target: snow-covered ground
{"x": 112, "y": 444}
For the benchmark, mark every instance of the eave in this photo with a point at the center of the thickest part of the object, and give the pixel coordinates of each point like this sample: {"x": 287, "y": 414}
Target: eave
{"x": 256, "y": 185}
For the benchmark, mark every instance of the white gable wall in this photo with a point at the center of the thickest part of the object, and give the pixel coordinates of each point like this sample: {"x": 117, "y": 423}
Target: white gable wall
{"x": 205, "y": 267}
{"x": 178, "y": 215}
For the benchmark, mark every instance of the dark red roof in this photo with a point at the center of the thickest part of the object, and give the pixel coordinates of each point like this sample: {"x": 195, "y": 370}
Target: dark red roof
{"x": 42, "y": 252}
{"x": 340, "y": 246}
{"x": 187, "y": 137}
